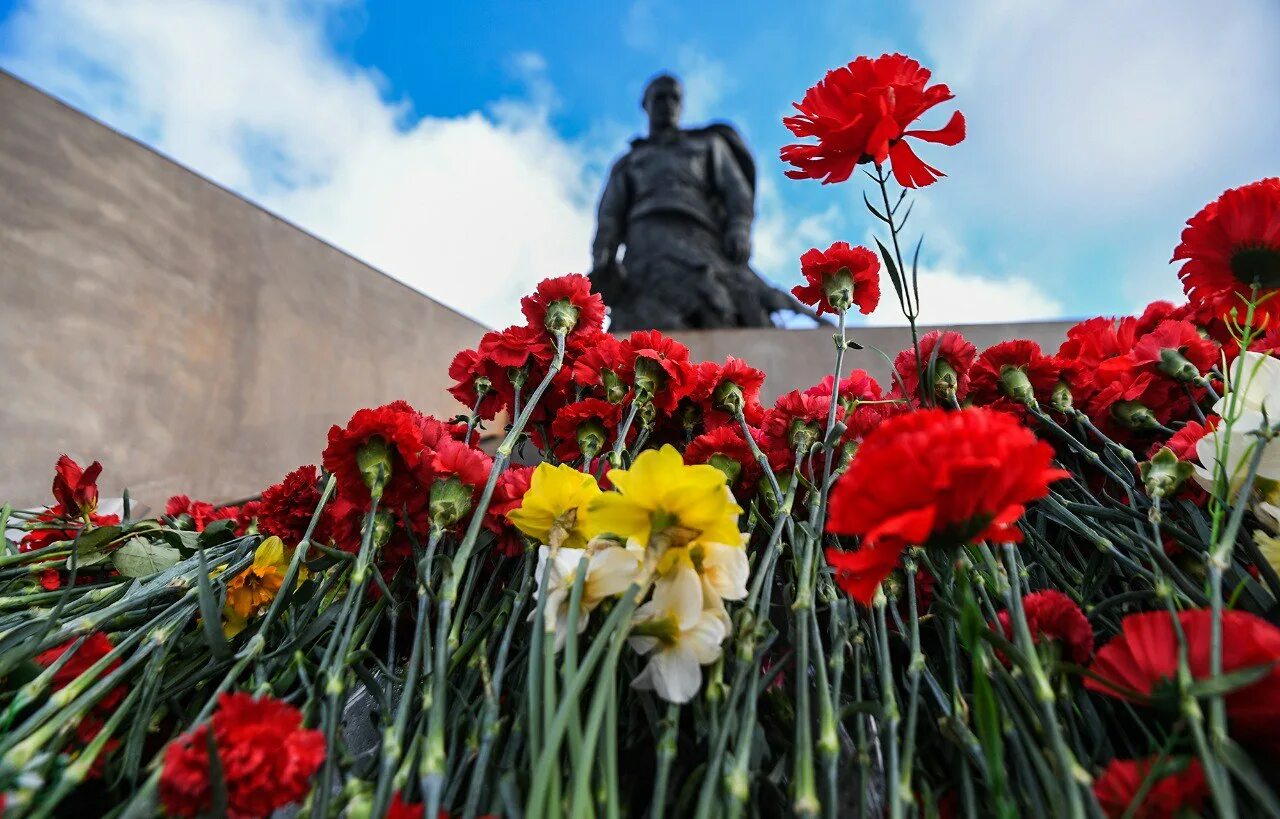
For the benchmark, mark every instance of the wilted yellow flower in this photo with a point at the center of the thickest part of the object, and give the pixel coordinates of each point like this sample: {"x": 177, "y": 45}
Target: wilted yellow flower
{"x": 554, "y": 510}
{"x": 659, "y": 494}
{"x": 258, "y": 585}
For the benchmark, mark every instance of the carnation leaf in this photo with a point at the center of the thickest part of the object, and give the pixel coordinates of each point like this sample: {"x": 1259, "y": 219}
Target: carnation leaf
{"x": 1244, "y": 770}
{"x": 1226, "y": 683}
{"x": 140, "y": 557}
{"x": 889, "y": 265}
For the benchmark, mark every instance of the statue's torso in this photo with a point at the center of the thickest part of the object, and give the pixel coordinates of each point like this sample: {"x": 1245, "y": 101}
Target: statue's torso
{"x": 673, "y": 177}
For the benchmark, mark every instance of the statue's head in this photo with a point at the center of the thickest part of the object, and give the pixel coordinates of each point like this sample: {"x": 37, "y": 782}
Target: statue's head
{"x": 663, "y": 100}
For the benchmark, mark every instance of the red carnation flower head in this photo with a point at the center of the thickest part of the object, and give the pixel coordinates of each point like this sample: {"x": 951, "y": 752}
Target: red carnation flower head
{"x": 726, "y": 449}
{"x": 1183, "y": 442}
{"x": 477, "y": 383}
{"x": 96, "y": 646}
{"x": 460, "y": 474}
{"x": 199, "y": 513}
{"x": 1171, "y": 788}
{"x": 508, "y": 494}
{"x": 378, "y": 450}
{"x": 855, "y": 388}
{"x": 732, "y": 388}
{"x": 658, "y": 368}
{"x": 516, "y": 347}
{"x": 1141, "y": 663}
{"x": 797, "y": 420}
{"x": 838, "y": 278}
{"x": 1159, "y": 311}
{"x": 861, "y": 113}
{"x": 286, "y": 508}
{"x": 1130, "y": 400}
{"x": 400, "y": 809}
{"x": 1231, "y": 245}
{"x": 950, "y": 370}
{"x": 1013, "y": 375}
{"x": 934, "y": 478}
{"x": 586, "y": 428}
{"x": 267, "y": 759}
{"x": 564, "y": 304}
{"x": 600, "y": 368}
{"x": 1091, "y": 342}
{"x": 76, "y": 489}
{"x": 1054, "y": 619}
{"x": 1176, "y": 349}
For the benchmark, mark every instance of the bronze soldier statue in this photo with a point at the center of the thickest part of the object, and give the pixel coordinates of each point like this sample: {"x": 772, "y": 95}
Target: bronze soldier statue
{"x": 681, "y": 202}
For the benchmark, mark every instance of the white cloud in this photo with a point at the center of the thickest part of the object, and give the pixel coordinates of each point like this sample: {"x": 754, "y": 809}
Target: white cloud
{"x": 705, "y": 83}
{"x": 949, "y": 296}
{"x": 472, "y": 210}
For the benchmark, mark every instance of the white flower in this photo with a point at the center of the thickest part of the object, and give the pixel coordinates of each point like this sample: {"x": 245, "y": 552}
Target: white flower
{"x": 700, "y": 577}
{"x": 1256, "y": 388}
{"x": 609, "y": 572}
{"x": 676, "y": 654}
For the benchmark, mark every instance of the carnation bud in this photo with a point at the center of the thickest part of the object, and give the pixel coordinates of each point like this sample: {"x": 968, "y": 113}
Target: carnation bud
{"x": 728, "y": 398}
{"x": 803, "y": 435}
{"x": 649, "y": 374}
{"x": 1061, "y": 399}
{"x": 1175, "y": 365}
{"x": 383, "y": 526}
{"x": 562, "y": 316}
{"x": 767, "y": 495}
{"x": 838, "y": 288}
{"x": 614, "y": 390}
{"x": 1017, "y": 385}
{"x": 450, "y": 501}
{"x": 1164, "y": 473}
{"x": 648, "y": 414}
{"x": 482, "y": 385}
{"x": 1134, "y": 415}
{"x": 731, "y": 468}
{"x": 945, "y": 381}
{"x": 374, "y": 461}
{"x": 591, "y": 437}
{"x": 518, "y": 376}
{"x": 690, "y": 415}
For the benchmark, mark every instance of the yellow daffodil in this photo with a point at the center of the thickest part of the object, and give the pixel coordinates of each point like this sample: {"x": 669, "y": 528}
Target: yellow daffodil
{"x": 660, "y": 495}
{"x": 676, "y": 653}
{"x": 255, "y": 587}
{"x": 554, "y": 510}
{"x": 610, "y": 570}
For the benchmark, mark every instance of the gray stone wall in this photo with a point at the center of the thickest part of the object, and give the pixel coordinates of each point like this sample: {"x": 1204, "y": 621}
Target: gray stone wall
{"x": 189, "y": 340}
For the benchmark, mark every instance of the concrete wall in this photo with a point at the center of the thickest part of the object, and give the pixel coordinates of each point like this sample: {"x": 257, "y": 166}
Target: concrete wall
{"x": 189, "y": 340}
{"x": 796, "y": 359}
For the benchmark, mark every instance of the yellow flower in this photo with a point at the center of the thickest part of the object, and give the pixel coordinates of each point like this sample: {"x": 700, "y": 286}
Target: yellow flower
{"x": 554, "y": 510}
{"x": 255, "y": 587}
{"x": 660, "y": 495}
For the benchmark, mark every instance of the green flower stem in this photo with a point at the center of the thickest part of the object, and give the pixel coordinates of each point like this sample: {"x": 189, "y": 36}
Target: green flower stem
{"x": 550, "y": 751}
{"x": 582, "y": 799}
{"x": 570, "y": 665}
{"x": 490, "y": 724}
{"x": 620, "y": 443}
{"x": 890, "y": 716}
{"x": 910, "y": 309}
{"x": 1069, "y": 770}
{"x": 914, "y": 667}
{"x": 666, "y": 756}
{"x": 761, "y": 459}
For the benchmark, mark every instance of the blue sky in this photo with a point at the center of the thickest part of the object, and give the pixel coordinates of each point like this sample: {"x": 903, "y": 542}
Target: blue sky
{"x": 448, "y": 145}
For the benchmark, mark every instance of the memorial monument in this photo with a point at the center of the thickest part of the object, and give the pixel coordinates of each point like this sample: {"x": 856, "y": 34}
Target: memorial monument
{"x": 681, "y": 203}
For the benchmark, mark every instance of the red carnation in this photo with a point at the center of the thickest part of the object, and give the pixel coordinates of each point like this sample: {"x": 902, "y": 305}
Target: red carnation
{"x": 838, "y": 278}
{"x": 1055, "y": 618}
{"x": 1130, "y": 400}
{"x": 736, "y": 382}
{"x": 1159, "y": 311}
{"x": 658, "y": 366}
{"x": 1183, "y": 442}
{"x": 934, "y": 477}
{"x": 267, "y": 759}
{"x": 954, "y": 358}
{"x": 725, "y": 448}
{"x": 600, "y": 369}
{"x": 1142, "y": 662}
{"x": 1177, "y": 788}
{"x": 860, "y": 113}
{"x": 76, "y": 489}
{"x": 286, "y": 508}
{"x": 1009, "y": 375}
{"x": 856, "y": 387}
{"x": 1230, "y": 245}
{"x": 54, "y": 524}
{"x": 400, "y": 809}
{"x": 517, "y": 346}
{"x": 1176, "y": 350}
{"x": 94, "y": 648}
{"x": 795, "y": 418}
{"x": 475, "y": 376}
{"x": 399, "y": 427}
{"x": 570, "y": 302}
{"x": 508, "y": 494}
{"x": 594, "y": 418}
{"x": 202, "y": 513}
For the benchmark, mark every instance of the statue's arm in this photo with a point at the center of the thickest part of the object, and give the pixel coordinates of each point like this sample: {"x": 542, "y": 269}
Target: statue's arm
{"x": 611, "y": 216}
{"x": 738, "y": 197}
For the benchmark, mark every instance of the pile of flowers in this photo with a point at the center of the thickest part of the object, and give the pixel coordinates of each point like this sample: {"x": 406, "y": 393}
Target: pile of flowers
{"x": 1002, "y": 581}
